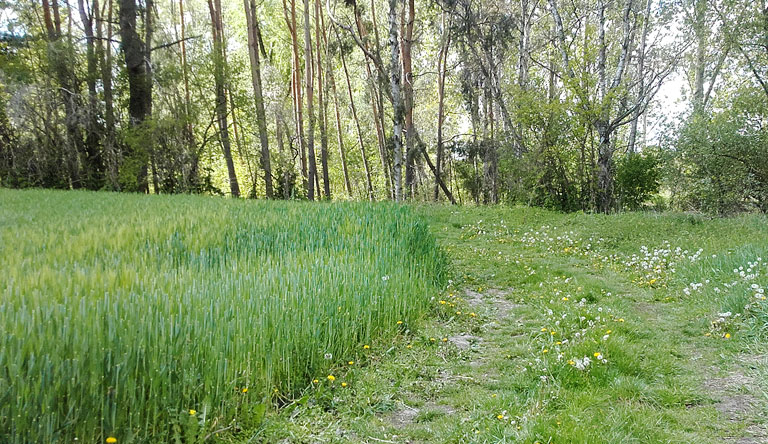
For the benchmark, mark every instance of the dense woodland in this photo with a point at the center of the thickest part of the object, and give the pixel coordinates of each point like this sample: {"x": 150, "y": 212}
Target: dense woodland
{"x": 540, "y": 102}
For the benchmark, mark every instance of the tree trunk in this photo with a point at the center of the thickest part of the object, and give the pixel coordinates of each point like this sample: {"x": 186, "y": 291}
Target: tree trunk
{"x": 369, "y": 183}
{"x": 192, "y": 179}
{"x": 397, "y": 99}
{"x": 410, "y": 150}
{"x": 219, "y": 55}
{"x": 641, "y": 79}
{"x": 700, "y": 58}
{"x": 308, "y": 62}
{"x": 139, "y": 84}
{"x": 254, "y": 47}
{"x": 298, "y": 103}
{"x": 339, "y": 137}
{"x": 321, "y": 105}
{"x": 93, "y": 157}
{"x": 605, "y": 201}
{"x": 110, "y": 158}
{"x": 490, "y": 195}
{"x": 376, "y": 99}
{"x": 148, "y": 31}
{"x": 442, "y": 60}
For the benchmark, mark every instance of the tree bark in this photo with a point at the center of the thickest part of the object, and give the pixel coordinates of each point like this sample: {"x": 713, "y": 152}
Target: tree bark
{"x": 105, "y": 65}
{"x": 397, "y": 99}
{"x": 442, "y": 69}
{"x": 700, "y": 58}
{"x": 376, "y": 95}
{"x": 139, "y": 83}
{"x": 641, "y": 78}
{"x": 309, "y": 83}
{"x": 192, "y": 175}
{"x": 410, "y": 150}
{"x": 93, "y": 156}
{"x": 369, "y": 183}
{"x": 339, "y": 137}
{"x": 219, "y": 55}
{"x": 298, "y": 103}
{"x": 321, "y": 104}
{"x": 254, "y": 39}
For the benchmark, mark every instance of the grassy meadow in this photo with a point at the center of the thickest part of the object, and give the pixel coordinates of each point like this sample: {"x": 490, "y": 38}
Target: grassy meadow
{"x": 193, "y": 319}
{"x": 155, "y": 319}
{"x": 568, "y": 328}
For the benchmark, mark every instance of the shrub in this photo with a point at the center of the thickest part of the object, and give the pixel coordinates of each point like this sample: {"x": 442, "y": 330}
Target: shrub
{"x": 637, "y": 179}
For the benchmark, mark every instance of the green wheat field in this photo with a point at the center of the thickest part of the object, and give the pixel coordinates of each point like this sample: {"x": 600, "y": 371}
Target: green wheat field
{"x": 120, "y": 315}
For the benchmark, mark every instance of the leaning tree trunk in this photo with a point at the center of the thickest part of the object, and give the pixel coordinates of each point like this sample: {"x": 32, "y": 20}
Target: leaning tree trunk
{"x": 442, "y": 60}
{"x": 368, "y": 181}
{"x": 376, "y": 96}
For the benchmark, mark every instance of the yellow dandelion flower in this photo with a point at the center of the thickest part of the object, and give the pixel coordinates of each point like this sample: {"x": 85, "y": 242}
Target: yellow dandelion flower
{"x": 409, "y": 346}
{"x": 111, "y": 440}
{"x": 445, "y": 339}
{"x": 442, "y": 302}
{"x": 621, "y": 319}
{"x": 432, "y": 339}
{"x": 596, "y": 354}
{"x": 571, "y": 362}
{"x": 493, "y": 395}
{"x": 727, "y": 336}
{"x": 458, "y": 312}
{"x": 192, "y": 412}
{"x": 366, "y": 347}
{"x": 545, "y": 351}
{"x": 500, "y": 416}
{"x": 472, "y": 314}
{"x": 343, "y": 384}
{"x": 399, "y": 322}
{"x": 245, "y": 390}
{"x": 331, "y": 378}
{"x": 543, "y": 329}
{"x": 351, "y": 362}
{"x": 315, "y": 381}
{"x": 553, "y": 333}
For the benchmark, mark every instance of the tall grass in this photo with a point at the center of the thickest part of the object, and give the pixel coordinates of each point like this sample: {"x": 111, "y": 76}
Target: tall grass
{"x": 120, "y": 313}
